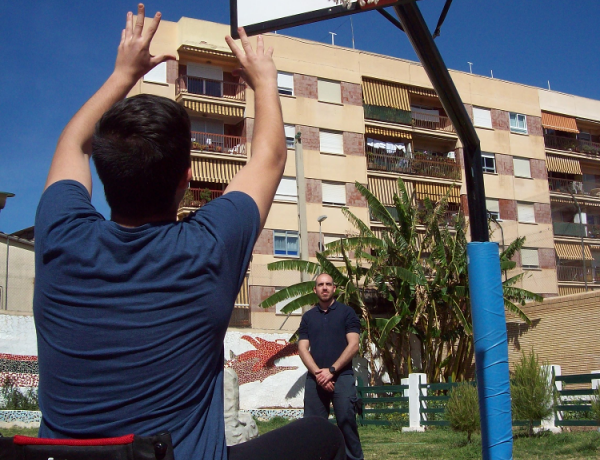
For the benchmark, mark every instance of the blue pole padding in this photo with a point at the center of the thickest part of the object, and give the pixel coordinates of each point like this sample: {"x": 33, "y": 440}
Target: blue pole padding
{"x": 491, "y": 350}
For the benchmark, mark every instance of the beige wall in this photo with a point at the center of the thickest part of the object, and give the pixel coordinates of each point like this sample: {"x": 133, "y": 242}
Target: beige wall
{"x": 568, "y": 104}
{"x": 21, "y": 275}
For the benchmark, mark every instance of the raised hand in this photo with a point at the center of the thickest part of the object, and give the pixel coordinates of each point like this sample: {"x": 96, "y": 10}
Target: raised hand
{"x": 257, "y": 68}
{"x": 133, "y": 58}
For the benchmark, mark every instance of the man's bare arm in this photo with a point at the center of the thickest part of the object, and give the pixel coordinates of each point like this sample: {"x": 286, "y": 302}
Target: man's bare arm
{"x": 262, "y": 174}
{"x": 71, "y": 158}
{"x": 309, "y": 362}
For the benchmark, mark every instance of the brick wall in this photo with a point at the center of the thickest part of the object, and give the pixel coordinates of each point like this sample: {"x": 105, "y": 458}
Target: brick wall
{"x": 351, "y": 93}
{"x": 534, "y": 126}
{"x": 354, "y": 197}
{"x": 309, "y": 137}
{"x": 538, "y": 169}
{"x": 248, "y": 129}
{"x": 313, "y": 243}
{"x": 564, "y": 332}
{"x": 257, "y": 295}
{"x": 508, "y": 209}
{"x": 469, "y": 109}
{"x": 459, "y": 157}
{"x": 547, "y": 257}
{"x": 543, "y": 213}
{"x": 305, "y": 86}
{"x": 464, "y": 203}
{"x": 264, "y": 243}
{"x": 314, "y": 191}
{"x": 504, "y": 164}
{"x": 172, "y": 71}
{"x": 500, "y": 120}
{"x": 354, "y": 144}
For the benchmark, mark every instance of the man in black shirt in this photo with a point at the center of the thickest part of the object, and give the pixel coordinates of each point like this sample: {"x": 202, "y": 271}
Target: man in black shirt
{"x": 328, "y": 340}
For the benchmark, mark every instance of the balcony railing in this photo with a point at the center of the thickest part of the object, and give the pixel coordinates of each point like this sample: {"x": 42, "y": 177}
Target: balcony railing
{"x": 571, "y": 273}
{"x": 219, "y": 143}
{"x": 566, "y": 186}
{"x": 198, "y": 197}
{"x": 575, "y": 229}
{"x": 431, "y": 121}
{"x": 422, "y": 166}
{"x": 569, "y": 144}
{"x": 213, "y": 88}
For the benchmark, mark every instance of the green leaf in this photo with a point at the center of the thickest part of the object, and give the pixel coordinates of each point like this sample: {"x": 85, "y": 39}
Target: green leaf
{"x": 288, "y": 293}
{"x": 389, "y": 326}
{"x": 305, "y": 300}
{"x": 295, "y": 265}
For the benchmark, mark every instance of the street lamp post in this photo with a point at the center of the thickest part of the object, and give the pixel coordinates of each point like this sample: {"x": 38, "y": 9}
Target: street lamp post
{"x": 320, "y": 220}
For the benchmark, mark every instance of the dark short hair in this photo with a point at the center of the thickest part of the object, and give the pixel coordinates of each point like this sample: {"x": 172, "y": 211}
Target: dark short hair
{"x": 141, "y": 149}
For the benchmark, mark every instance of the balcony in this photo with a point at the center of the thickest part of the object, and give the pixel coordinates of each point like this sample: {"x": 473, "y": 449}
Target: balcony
{"x": 420, "y": 165}
{"x": 566, "y": 186}
{"x": 578, "y": 274}
{"x": 434, "y": 122}
{"x": 218, "y": 143}
{"x": 569, "y": 144}
{"x": 212, "y": 88}
{"x": 577, "y": 230}
{"x": 198, "y": 197}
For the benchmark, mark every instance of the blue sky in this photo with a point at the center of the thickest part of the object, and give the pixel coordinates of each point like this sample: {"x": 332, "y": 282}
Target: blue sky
{"x": 56, "y": 54}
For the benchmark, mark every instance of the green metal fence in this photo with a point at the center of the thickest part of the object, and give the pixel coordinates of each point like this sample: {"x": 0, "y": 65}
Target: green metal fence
{"x": 574, "y": 405}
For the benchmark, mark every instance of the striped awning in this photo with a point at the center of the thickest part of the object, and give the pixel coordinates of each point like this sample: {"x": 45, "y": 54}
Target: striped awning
{"x": 213, "y": 170}
{"x": 421, "y": 91}
{"x": 559, "y": 122}
{"x": 206, "y": 51}
{"x": 581, "y": 200}
{"x": 387, "y": 132}
{"x": 436, "y": 191}
{"x": 243, "y": 298}
{"x": 563, "y": 165}
{"x": 572, "y": 251}
{"x": 383, "y": 189}
{"x": 385, "y": 94}
{"x": 214, "y": 109}
{"x": 569, "y": 290}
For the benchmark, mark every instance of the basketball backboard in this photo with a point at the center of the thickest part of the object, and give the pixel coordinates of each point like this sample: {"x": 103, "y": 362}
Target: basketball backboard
{"x": 259, "y": 16}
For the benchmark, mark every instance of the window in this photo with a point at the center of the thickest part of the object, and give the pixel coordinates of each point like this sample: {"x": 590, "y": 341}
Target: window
{"x": 158, "y": 74}
{"x": 330, "y": 91}
{"x": 334, "y": 193}
{"x": 331, "y": 142}
{"x": 488, "y": 162}
{"x": 522, "y": 167}
{"x": 285, "y": 83}
{"x": 290, "y": 134}
{"x": 482, "y": 117}
{"x": 205, "y": 79}
{"x": 493, "y": 208}
{"x": 286, "y": 243}
{"x": 583, "y": 136}
{"x": 525, "y": 212}
{"x": 330, "y": 239}
{"x": 518, "y": 123}
{"x": 279, "y": 306}
{"x": 530, "y": 258}
{"x": 287, "y": 190}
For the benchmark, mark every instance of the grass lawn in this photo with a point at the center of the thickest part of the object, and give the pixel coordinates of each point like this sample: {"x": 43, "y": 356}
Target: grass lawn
{"x": 384, "y": 443}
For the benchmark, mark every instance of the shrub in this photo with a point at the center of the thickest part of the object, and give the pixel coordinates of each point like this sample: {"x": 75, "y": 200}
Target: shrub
{"x": 531, "y": 391}
{"x": 13, "y": 399}
{"x": 462, "y": 409}
{"x": 596, "y": 405}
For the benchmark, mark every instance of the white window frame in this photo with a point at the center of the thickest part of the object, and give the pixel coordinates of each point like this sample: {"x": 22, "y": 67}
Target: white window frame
{"x": 287, "y": 190}
{"x": 285, "y": 83}
{"x": 157, "y": 75}
{"x": 482, "y": 117}
{"x": 492, "y": 206}
{"x": 331, "y": 142}
{"x": 330, "y": 239}
{"x": 522, "y": 167}
{"x": 290, "y": 135}
{"x": 286, "y": 234}
{"x": 280, "y": 305}
{"x": 486, "y": 169}
{"x": 334, "y": 192}
{"x": 518, "y": 123}
{"x": 525, "y": 212}
{"x": 329, "y": 91}
{"x": 530, "y": 258}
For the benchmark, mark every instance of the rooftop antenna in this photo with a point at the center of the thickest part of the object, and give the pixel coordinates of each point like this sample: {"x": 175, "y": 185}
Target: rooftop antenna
{"x": 492, "y": 73}
{"x": 333, "y": 34}
{"x": 470, "y": 66}
{"x": 352, "y": 29}
{"x": 549, "y": 86}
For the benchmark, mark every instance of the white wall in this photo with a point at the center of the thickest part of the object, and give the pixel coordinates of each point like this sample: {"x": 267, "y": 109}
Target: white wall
{"x": 21, "y": 275}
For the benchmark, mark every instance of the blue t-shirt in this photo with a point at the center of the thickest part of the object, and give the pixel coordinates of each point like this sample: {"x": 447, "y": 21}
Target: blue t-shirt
{"x": 130, "y": 321}
{"x": 326, "y": 334}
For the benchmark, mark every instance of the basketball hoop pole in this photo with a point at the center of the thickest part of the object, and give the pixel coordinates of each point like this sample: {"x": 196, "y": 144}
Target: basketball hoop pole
{"x": 485, "y": 279}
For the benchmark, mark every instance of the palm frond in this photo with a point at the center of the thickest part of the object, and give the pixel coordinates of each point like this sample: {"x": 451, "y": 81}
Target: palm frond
{"x": 289, "y": 292}
{"x": 389, "y": 326}
{"x": 305, "y": 300}
{"x": 295, "y": 265}
{"x": 516, "y": 310}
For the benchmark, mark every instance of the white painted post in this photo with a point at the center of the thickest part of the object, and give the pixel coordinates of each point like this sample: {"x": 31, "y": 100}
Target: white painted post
{"x": 548, "y": 424}
{"x": 596, "y": 384}
{"x": 414, "y": 401}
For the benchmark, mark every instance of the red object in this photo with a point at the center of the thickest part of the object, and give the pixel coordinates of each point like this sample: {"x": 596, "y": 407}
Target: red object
{"x": 26, "y": 440}
{"x": 369, "y": 6}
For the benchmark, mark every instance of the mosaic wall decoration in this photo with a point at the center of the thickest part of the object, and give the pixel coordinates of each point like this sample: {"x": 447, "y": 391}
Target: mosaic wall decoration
{"x": 21, "y": 370}
{"x": 258, "y": 364}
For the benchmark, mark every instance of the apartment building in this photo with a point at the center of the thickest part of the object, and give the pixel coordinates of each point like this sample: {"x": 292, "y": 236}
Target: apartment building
{"x": 370, "y": 118}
